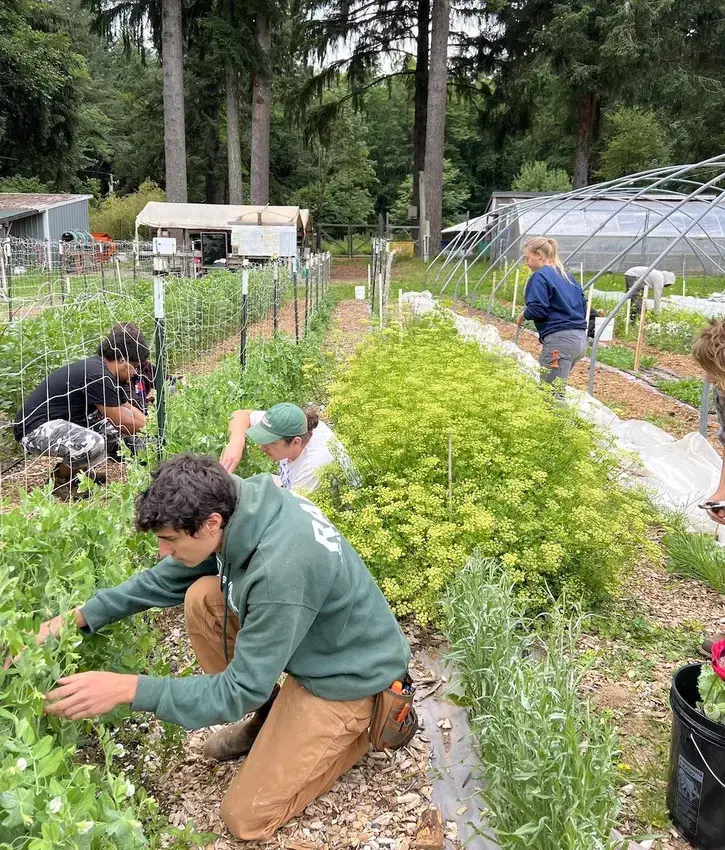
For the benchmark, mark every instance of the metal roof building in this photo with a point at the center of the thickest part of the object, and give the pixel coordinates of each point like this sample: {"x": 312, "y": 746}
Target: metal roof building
{"x": 42, "y": 217}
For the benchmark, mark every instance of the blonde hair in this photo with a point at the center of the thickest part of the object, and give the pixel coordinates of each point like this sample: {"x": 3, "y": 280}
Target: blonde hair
{"x": 550, "y": 250}
{"x": 708, "y": 349}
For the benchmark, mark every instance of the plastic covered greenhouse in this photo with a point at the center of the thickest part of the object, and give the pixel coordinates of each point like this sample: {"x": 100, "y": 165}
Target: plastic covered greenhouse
{"x": 595, "y": 231}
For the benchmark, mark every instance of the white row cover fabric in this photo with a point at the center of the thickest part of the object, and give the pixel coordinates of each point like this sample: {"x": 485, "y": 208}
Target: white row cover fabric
{"x": 679, "y": 474}
{"x": 159, "y": 214}
{"x": 712, "y": 307}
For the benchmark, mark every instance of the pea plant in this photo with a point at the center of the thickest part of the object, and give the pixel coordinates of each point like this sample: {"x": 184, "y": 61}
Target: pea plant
{"x": 54, "y": 794}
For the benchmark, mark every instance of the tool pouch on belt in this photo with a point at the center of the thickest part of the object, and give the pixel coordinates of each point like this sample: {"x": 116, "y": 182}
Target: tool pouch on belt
{"x": 394, "y": 719}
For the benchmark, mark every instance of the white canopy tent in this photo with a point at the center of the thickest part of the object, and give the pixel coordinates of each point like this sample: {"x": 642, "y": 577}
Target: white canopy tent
{"x": 255, "y": 230}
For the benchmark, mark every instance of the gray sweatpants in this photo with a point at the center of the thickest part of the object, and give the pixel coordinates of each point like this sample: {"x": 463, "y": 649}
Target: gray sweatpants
{"x": 560, "y": 352}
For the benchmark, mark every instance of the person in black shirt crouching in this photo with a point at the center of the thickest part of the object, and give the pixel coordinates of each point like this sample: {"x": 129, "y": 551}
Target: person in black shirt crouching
{"x": 80, "y": 411}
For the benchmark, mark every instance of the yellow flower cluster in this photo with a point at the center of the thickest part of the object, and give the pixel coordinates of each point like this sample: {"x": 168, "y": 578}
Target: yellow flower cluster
{"x": 528, "y": 481}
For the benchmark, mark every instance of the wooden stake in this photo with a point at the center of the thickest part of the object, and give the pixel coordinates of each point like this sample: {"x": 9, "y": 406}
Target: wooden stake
{"x": 640, "y": 334}
{"x": 683, "y": 279}
{"x": 589, "y": 304}
{"x": 516, "y": 293}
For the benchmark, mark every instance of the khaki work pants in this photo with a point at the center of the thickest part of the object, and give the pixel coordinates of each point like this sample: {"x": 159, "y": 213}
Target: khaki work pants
{"x": 306, "y": 742}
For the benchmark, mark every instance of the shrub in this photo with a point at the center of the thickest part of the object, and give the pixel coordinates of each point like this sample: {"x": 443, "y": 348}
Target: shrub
{"x": 531, "y": 484}
{"x": 538, "y": 177}
{"x": 277, "y": 370}
{"x": 674, "y": 331}
{"x": 116, "y": 215}
{"x": 548, "y": 761}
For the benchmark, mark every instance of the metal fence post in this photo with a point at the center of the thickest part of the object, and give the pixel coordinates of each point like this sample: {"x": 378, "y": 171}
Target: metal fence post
{"x": 275, "y": 275}
{"x": 245, "y": 314}
{"x": 349, "y": 241}
{"x": 294, "y": 291}
{"x": 160, "y": 350}
{"x": 317, "y": 283}
{"x": 374, "y": 274}
{"x": 306, "y": 274}
{"x": 704, "y": 408}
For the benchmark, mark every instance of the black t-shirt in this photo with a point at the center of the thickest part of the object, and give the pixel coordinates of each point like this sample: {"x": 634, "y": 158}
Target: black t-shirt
{"x": 70, "y": 393}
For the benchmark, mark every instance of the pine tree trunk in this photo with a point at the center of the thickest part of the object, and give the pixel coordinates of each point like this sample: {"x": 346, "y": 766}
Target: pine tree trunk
{"x": 261, "y": 113}
{"x": 586, "y": 118}
{"x": 420, "y": 102}
{"x": 213, "y": 185}
{"x": 172, "y": 58}
{"x": 234, "y": 151}
{"x": 436, "y": 124}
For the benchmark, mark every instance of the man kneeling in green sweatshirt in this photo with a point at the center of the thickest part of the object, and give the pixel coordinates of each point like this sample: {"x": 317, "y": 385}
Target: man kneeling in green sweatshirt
{"x": 268, "y": 586}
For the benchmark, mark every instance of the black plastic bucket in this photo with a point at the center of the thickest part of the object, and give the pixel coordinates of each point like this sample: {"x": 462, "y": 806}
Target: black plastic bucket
{"x": 696, "y": 787}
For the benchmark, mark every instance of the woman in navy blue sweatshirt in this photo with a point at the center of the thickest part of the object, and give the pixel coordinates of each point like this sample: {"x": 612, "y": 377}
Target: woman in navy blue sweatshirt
{"x": 557, "y": 305}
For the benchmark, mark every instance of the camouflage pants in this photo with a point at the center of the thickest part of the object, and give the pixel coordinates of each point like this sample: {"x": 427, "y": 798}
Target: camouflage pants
{"x": 79, "y": 447}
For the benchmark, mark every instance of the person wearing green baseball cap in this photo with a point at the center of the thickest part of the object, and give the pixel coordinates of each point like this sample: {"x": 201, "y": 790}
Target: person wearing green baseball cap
{"x": 293, "y": 437}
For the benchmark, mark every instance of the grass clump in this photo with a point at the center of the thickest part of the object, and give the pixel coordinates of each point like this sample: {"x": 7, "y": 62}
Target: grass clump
{"x": 549, "y": 773}
{"x": 696, "y": 556}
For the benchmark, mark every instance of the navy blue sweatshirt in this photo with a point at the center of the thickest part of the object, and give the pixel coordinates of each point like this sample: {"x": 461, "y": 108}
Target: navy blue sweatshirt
{"x": 555, "y": 303}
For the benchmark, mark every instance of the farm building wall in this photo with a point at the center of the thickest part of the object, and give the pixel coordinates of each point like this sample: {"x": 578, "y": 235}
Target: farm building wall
{"x": 68, "y": 217}
{"x": 30, "y": 227}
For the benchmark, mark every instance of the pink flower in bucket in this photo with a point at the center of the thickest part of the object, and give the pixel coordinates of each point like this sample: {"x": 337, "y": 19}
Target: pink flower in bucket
{"x": 718, "y": 650}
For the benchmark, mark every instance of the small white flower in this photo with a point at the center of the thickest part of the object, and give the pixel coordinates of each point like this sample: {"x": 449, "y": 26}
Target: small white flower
{"x": 54, "y": 805}
{"x": 135, "y": 824}
{"x": 119, "y": 750}
{"x": 84, "y": 826}
{"x": 130, "y": 789}
{"x": 20, "y": 765}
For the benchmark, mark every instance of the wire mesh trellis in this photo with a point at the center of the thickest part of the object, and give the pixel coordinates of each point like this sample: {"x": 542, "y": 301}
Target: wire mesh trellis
{"x": 56, "y": 315}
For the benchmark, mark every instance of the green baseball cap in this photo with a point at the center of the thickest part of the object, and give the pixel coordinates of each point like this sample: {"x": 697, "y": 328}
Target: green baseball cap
{"x": 282, "y": 420}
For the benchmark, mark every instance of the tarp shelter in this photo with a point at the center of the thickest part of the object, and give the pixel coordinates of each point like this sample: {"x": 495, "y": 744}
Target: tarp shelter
{"x": 255, "y": 231}
{"x": 608, "y": 225}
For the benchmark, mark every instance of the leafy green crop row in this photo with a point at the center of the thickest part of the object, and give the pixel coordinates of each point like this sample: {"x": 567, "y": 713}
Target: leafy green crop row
{"x": 530, "y": 483}
{"x": 60, "y": 784}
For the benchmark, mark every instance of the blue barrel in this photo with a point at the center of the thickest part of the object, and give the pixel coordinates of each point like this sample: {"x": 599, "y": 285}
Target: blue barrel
{"x": 696, "y": 786}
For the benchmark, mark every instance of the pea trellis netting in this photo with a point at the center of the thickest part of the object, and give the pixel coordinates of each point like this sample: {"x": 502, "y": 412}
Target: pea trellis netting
{"x": 51, "y": 315}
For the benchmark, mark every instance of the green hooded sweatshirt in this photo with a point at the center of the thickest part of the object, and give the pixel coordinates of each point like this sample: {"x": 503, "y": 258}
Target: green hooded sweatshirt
{"x": 306, "y": 603}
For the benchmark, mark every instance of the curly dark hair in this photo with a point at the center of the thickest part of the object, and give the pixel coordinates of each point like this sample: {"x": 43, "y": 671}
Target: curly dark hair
{"x": 184, "y": 492}
{"x": 125, "y": 342}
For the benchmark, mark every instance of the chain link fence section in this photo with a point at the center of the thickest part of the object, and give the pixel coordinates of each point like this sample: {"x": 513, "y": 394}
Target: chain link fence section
{"x": 58, "y": 312}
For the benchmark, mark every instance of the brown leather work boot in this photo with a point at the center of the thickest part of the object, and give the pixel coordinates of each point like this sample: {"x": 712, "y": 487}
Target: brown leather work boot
{"x": 237, "y": 739}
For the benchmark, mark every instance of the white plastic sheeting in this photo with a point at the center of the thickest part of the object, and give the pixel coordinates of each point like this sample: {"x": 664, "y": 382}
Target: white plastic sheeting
{"x": 712, "y": 307}
{"x": 679, "y": 474}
